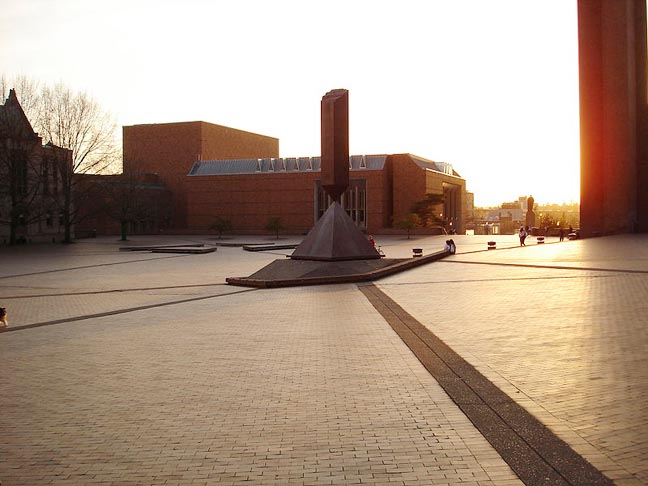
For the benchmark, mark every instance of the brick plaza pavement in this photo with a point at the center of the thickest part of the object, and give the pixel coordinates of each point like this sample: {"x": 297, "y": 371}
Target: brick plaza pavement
{"x": 148, "y": 370}
{"x": 561, "y": 328}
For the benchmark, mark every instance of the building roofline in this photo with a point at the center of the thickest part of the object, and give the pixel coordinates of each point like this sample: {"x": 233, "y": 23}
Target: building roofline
{"x": 12, "y": 103}
{"x": 198, "y": 122}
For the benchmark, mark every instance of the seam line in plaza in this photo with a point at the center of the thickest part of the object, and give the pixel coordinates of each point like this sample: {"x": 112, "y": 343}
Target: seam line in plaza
{"x": 553, "y": 267}
{"x": 533, "y": 451}
{"x": 2, "y": 277}
{"x": 111, "y": 291}
{"x": 117, "y": 312}
{"x": 482, "y": 280}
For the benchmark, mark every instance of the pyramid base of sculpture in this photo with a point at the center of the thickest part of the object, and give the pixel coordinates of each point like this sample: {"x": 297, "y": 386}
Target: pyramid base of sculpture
{"x": 297, "y": 273}
{"x": 335, "y": 237}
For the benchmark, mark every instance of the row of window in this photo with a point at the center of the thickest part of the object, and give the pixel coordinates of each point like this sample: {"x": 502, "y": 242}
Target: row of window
{"x": 354, "y": 201}
{"x": 54, "y": 177}
{"x": 49, "y": 177}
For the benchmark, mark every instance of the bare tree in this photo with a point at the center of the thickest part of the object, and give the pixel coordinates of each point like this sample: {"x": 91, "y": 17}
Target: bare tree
{"x": 72, "y": 121}
{"x": 132, "y": 198}
{"x": 76, "y": 122}
{"x": 28, "y": 92}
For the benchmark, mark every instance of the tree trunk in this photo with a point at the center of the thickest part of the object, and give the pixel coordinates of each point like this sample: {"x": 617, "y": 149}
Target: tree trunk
{"x": 12, "y": 232}
{"x": 67, "y": 209}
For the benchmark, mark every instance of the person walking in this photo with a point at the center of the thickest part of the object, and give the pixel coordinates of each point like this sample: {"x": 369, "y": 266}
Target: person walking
{"x": 561, "y": 233}
{"x": 522, "y": 235}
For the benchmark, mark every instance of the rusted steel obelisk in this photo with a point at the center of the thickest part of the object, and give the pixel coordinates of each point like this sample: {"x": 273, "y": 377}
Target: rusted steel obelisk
{"x": 335, "y": 236}
{"x": 335, "y": 143}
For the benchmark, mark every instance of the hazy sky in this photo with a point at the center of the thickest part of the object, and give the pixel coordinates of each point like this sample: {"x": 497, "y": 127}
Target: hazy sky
{"x": 488, "y": 86}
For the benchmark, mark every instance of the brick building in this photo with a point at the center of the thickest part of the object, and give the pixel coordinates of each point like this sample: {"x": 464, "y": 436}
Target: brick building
{"x": 382, "y": 189}
{"x": 214, "y": 171}
{"x": 127, "y": 204}
{"x": 170, "y": 149}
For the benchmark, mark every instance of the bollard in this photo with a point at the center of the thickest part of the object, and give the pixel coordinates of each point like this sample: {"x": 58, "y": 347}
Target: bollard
{"x": 417, "y": 252}
{"x": 492, "y": 245}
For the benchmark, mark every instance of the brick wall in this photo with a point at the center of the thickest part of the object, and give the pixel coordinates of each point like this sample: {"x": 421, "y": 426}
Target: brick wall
{"x": 220, "y": 143}
{"x": 249, "y": 200}
{"x": 409, "y": 184}
{"x": 170, "y": 149}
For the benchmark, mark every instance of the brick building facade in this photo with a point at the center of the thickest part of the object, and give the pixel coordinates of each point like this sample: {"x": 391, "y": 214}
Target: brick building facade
{"x": 214, "y": 172}
{"x": 127, "y": 203}
{"x": 381, "y": 191}
{"x": 170, "y": 149}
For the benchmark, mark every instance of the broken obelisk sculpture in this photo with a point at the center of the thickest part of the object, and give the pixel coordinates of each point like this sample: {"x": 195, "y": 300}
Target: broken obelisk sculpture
{"x": 335, "y": 250}
{"x": 335, "y": 142}
{"x": 335, "y": 236}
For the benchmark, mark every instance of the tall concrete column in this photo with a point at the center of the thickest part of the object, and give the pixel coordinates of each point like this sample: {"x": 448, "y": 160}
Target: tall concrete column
{"x": 613, "y": 116}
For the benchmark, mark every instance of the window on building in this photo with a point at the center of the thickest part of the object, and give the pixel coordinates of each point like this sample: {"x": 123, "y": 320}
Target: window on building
{"x": 20, "y": 177}
{"x": 451, "y": 204}
{"x": 354, "y": 201}
{"x": 45, "y": 177}
{"x": 54, "y": 178}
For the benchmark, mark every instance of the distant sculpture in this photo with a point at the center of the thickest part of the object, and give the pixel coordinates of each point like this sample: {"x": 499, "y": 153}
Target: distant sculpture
{"x": 335, "y": 142}
{"x": 530, "y": 215}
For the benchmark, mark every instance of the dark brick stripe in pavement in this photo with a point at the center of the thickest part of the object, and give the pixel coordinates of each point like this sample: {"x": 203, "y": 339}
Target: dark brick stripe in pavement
{"x": 116, "y": 312}
{"x": 535, "y": 453}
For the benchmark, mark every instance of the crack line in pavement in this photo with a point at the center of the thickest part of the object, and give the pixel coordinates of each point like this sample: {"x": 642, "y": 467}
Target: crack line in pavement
{"x": 96, "y": 292}
{"x": 117, "y": 312}
{"x": 90, "y": 266}
{"x": 534, "y": 452}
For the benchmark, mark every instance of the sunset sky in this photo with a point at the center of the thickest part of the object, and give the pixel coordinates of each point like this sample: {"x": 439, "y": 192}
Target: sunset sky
{"x": 488, "y": 86}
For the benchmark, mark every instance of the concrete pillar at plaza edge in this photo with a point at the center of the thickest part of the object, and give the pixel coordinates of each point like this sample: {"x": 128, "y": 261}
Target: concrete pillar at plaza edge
{"x": 613, "y": 116}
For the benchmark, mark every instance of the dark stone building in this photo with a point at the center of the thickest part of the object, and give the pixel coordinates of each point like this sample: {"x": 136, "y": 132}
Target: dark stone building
{"x": 31, "y": 182}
